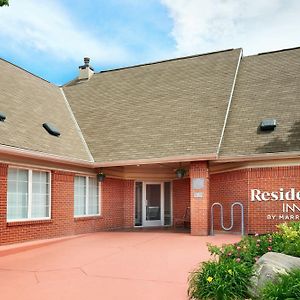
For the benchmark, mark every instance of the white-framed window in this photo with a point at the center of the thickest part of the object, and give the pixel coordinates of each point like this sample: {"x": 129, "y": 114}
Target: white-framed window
{"x": 28, "y": 194}
{"x": 86, "y": 196}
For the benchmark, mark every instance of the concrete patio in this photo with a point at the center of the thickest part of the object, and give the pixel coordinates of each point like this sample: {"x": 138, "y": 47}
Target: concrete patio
{"x": 104, "y": 265}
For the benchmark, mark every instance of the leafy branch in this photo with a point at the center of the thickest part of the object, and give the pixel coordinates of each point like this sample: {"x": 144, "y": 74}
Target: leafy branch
{"x": 4, "y": 2}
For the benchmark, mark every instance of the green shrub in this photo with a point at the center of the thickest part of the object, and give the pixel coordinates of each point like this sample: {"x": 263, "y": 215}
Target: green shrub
{"x": 227, "y": 280}
{"x": 249, "y": 249}
{"x": 290, "y": 233}
{"x": 286, "y": 287}
{"x": 228, "y": 276}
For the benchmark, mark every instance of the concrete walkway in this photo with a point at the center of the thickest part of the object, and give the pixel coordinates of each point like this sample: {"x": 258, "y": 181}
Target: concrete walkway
{"x": 106, "y": 265}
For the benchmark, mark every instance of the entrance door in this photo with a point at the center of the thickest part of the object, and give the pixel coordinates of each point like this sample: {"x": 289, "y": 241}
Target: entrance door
{"x": 153, "y": 210}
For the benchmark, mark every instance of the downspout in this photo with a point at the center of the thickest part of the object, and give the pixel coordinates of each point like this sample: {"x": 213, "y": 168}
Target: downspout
{"x": 229, "y": 102}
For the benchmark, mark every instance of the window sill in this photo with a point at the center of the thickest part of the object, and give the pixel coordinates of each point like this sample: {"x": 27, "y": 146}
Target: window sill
{"x": 84, "y": 218}
{"x": 28, "y": 222}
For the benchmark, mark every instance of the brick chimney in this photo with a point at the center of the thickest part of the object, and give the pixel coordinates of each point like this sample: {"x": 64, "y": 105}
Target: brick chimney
{"x": 85, "y": 71}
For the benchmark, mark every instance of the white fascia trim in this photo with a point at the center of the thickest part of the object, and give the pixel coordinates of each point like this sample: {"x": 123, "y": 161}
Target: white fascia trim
{"x": 77, "y": 126}
{"x": 43, "y": 156}
{"x": 169, "y": 159}
{"x": 258, "y": 157}
{"x": 4, "y": 149}
{"x": 230, "y": 100}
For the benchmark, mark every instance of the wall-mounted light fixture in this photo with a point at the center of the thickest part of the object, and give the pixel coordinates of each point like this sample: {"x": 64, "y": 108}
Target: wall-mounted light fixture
{"x": 101, "y": 176}
{"x": 180, "y": 173}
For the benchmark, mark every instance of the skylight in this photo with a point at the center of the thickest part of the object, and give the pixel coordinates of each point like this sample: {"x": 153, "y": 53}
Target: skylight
{"x": 2, "y": 117}
{"x": 51, "y": 129}
{"x": 268, "y": 124}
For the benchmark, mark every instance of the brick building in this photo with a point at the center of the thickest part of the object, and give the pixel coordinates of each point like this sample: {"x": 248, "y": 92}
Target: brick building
{"x": 229, "y": 125}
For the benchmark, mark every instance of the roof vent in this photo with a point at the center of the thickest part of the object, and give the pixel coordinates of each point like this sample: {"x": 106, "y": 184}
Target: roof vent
{"x": 268, "y": 124}
{"x": 51, "y": 129}
{"x": 2, "y": 117}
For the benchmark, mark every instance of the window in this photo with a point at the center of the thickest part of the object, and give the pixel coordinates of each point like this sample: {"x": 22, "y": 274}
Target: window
{"x": 28, "y": 194}
{"x": 86, "y": 196}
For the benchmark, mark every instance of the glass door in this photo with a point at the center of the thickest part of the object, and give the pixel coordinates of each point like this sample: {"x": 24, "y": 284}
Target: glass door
{"x": 153, "y": 211}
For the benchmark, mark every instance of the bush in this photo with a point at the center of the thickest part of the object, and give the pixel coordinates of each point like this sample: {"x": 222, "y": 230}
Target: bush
{"x": 228, "y": 276}
{"x": 249, "y": 249}
{"x": 291, "y": 238}
{"x": 287, "y": 286}
{"x": 227, "y": 280}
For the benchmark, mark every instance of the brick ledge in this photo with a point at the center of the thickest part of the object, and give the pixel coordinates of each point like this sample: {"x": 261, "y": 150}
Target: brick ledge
{"x": 29, "y": 222}
{"x": 87, "y": 218}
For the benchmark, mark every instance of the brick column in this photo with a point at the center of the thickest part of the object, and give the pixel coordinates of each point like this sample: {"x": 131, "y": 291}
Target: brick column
{"x": 3, "y": 201}
{"x": 128, "y": 203}
{"x": 62, "y": 203}
{"x": 199, "y": 190}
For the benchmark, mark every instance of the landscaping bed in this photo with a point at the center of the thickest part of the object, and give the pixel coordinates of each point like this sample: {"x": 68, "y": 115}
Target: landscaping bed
{"x": 229, "y": 275}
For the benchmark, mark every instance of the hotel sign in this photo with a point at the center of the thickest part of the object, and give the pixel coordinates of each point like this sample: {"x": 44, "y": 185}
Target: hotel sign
{"x": 290, "y": 199}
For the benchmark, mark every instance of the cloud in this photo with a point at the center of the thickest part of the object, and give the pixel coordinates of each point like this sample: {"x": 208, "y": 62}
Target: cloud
{"x": 255, "y": 25}
{"x": 44, "y": 26}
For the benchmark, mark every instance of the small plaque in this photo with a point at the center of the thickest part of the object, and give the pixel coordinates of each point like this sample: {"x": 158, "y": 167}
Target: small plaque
{"x": 198, "y": 183}
{"x": 198, "y": 195}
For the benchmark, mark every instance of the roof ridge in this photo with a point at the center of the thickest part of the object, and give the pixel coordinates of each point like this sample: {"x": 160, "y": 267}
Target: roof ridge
{"x": 77, "y": 125}
{"x": 230, "y": 100}
{"x": 275, "y": 51}
{"x": 25, "y": 70}
{"x": 166, "y": 60}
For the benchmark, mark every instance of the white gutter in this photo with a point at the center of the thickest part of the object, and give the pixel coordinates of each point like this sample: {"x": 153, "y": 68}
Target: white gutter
{"x": 77, "y": 126}
{"x": 170, "y": 159}
{"x": 9, "y": 150}
{"x": 257, "y": 157}
{"x": 4, "y": 149}
{"x": 44, "y": 156}
{"x": 230, "y": 100}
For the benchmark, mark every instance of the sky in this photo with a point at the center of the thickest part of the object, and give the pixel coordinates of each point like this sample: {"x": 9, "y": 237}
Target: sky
{"x": 50, "y": 37}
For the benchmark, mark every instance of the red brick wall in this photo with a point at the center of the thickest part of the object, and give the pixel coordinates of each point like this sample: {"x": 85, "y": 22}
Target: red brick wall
{"x": 233, "y": 186}
{"x": 129, "y": 203}
{"x": 117, "y": 197}
{"x": 227, "y": 188}
{"x": 113, "y": 203}
{"x": 270, "y": 179}
{"x": 199, "y": 205}
{"x": 117, "y": 206}
{"x": 3, "y": 193}
{"x": 181, "y": 197}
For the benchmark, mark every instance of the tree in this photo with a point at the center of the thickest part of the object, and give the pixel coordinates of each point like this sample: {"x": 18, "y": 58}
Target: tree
{"x": 4, "y": 2}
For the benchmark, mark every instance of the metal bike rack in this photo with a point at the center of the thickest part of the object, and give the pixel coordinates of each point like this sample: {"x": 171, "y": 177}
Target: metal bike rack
{"x": 231, "y": 216}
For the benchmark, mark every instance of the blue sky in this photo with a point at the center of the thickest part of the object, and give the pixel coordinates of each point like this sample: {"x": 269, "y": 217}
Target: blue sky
{"x": 51, "y": 37}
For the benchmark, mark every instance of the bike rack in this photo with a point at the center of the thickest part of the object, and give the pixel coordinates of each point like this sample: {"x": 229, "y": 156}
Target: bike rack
{"x": 231, "y": 216}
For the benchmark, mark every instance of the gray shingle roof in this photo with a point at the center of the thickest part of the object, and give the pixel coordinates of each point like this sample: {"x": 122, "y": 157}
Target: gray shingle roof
{"x": 268, "y": 86}
{"x": 28, "y": 102}
{"x": 172, "y": 108}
